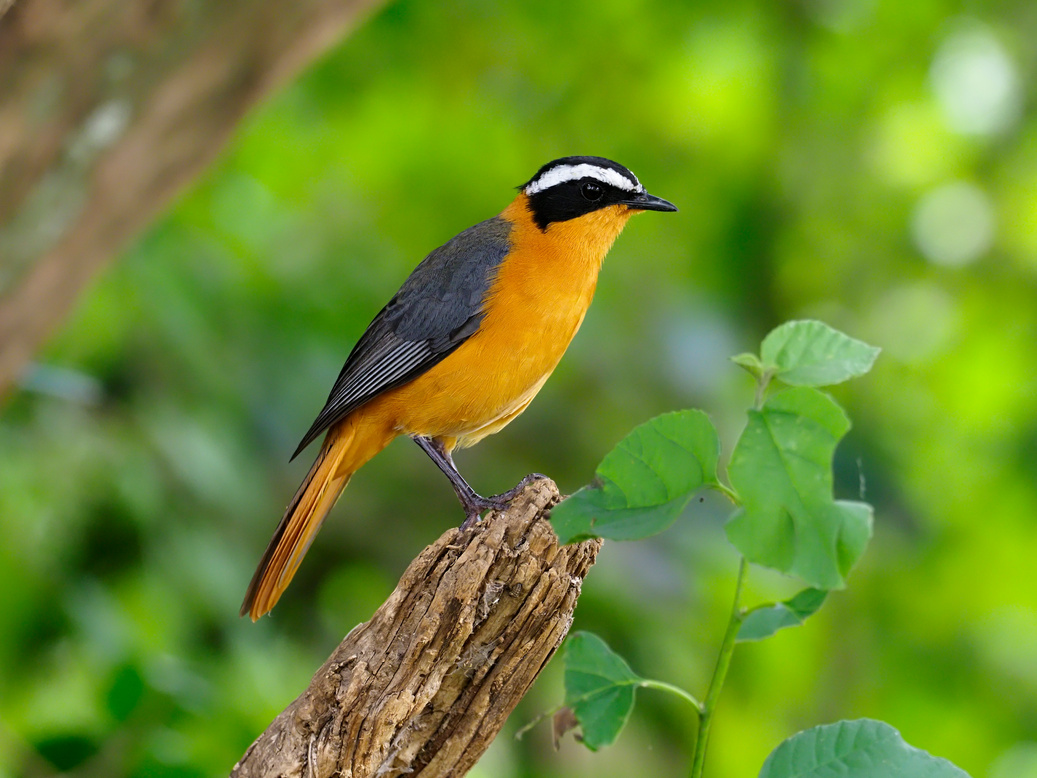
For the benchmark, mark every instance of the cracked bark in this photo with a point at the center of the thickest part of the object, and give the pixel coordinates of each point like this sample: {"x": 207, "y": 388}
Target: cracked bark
{"x": 424, "y": 686}
{"x": 107, "y": 110}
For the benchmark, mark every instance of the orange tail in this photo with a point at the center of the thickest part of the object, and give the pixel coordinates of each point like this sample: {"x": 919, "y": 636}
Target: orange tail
{"x": 339, "y": 458}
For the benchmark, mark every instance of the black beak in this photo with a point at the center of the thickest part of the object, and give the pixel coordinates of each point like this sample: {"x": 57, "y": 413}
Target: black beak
{"x": 647, "y": 202}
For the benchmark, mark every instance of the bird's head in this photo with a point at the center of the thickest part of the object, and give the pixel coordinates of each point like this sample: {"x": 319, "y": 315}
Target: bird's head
{"x": 571, "y": 187}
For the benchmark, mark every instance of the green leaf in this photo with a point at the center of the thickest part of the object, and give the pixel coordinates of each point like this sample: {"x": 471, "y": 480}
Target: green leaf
{"x": 751, "y": 363}
{"x": 781, "y": 469}
{"x": 764, "y": 621}
{"x": 644, "y": 482}
{"x": 124, "y": 694}
{"x": 810, "y": 353}
{"x": 599, "y": 688}
{"x": 854, "y": 749}
{"x": 599, "y": 692}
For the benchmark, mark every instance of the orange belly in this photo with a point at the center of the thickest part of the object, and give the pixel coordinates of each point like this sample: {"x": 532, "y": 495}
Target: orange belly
{"x": 534, "y": 308}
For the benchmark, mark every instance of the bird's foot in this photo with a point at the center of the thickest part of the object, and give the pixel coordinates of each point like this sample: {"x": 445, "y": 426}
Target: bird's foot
{"x": 504, "y": 499}
{"x": 476, "y": 504}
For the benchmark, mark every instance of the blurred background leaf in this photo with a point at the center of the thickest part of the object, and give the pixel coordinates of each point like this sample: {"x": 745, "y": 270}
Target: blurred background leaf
{"x": 870, "y": 164}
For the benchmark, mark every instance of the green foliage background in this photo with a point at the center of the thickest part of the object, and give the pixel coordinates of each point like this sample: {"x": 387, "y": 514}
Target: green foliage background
{"x": 869, "y": 163}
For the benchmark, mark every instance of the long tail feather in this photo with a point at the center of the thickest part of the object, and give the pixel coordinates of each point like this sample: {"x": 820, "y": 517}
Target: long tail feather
{"x": 300, "y": 523}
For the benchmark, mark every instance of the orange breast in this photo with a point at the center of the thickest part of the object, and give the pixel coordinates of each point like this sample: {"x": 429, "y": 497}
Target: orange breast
{"x": 534, "y": 308}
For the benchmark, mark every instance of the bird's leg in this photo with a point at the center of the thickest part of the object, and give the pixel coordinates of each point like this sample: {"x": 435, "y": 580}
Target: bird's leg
{"x": 472, "y": 502}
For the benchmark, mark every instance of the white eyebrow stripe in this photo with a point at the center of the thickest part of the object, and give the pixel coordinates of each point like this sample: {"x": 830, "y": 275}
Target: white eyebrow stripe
{"x": 564, "y": 173}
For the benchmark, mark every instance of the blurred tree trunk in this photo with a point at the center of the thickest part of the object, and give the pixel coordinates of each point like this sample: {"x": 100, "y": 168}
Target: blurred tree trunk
{"x": 107, "y": 110}
{"x": 424, "y": 687}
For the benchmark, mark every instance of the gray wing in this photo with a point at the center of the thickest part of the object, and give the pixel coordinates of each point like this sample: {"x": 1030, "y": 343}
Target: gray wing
{"x": 437, "y": 309}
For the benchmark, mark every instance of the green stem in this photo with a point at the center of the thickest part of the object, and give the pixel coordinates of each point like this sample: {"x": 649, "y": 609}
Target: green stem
{"x": 761, "y": 388}
{"x": 646, "y": 683}
{"x": 727, "y": 491}
{"x": 719, "y": 674}
{"x": 666, "y": 687}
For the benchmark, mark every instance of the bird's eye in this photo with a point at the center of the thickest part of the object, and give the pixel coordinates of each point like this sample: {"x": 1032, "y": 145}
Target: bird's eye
{"x": 591, "y": 191}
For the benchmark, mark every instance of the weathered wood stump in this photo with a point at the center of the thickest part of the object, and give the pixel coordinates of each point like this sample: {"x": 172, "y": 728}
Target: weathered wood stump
{"x": 424, "y": 686}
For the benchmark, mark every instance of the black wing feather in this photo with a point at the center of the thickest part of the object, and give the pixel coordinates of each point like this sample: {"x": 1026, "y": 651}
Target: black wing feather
{"x": 438, "y": 307}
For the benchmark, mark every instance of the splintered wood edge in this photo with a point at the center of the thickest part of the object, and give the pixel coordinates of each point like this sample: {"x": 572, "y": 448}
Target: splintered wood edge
{"x": 425, "y": 685}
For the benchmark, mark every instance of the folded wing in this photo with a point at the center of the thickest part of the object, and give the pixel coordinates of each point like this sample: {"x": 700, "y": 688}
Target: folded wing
{"x": 438, "y": 307}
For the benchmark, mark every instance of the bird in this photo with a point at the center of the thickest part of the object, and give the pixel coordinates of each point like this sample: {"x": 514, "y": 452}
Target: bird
{"x": 463, "y": 347}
